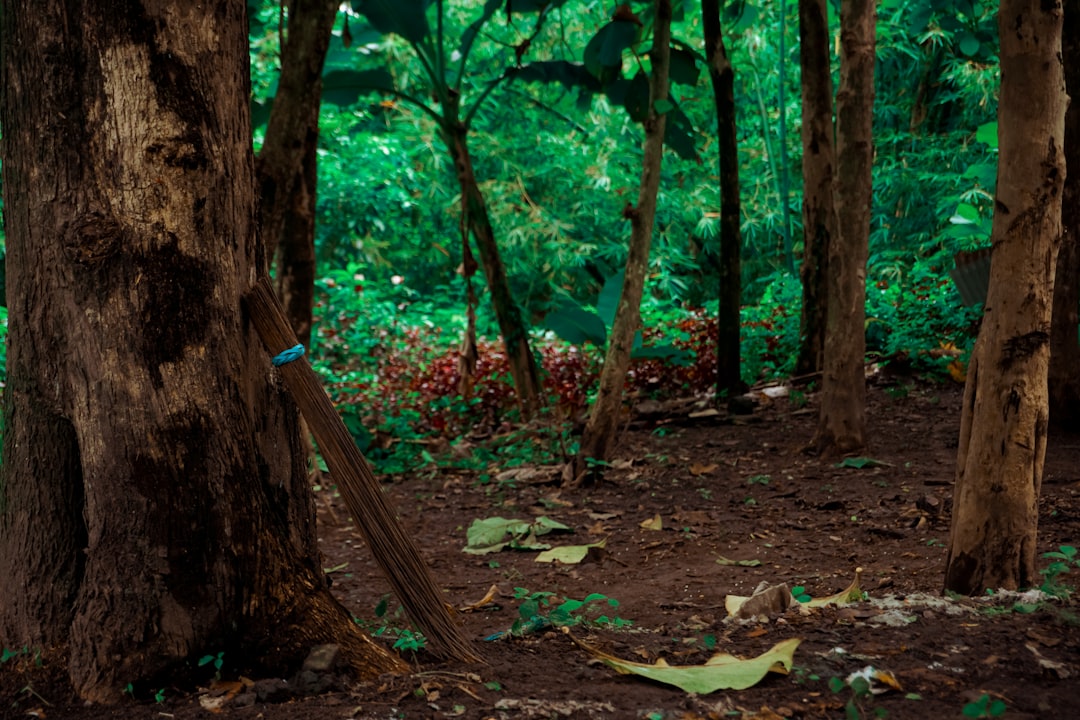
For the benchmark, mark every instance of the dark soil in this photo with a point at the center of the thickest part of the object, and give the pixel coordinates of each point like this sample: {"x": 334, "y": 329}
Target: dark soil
{"x": 739, "y": 488}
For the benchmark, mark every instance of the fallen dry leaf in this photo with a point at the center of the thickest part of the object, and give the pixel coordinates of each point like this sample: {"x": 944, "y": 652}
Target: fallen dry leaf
{"x": 720, "y": 672}
{"x": 489, "y": 598}
{"x": 654, "y": 523}
{"x": 697, "y": 469}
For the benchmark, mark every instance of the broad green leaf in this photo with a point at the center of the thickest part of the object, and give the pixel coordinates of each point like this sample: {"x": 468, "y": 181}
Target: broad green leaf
{"x": 531, "y": 6}
{"x": 666, "y": 352}
{"x": 684, "y": 68}
{"x": 603, "y": 53}
{"x": 569, "y": 555}
{"x": 469, "y": 36}
{"x": 663, "y": 106}
{"x": 965, "y": 215}
{"x": 720, "y": 672}
{"x": 679, "y": 135}
{"x": 983, "y": 173}
{"x": 607, "y": 304}
{"x": 260, "y": 111}
{"x": 861, "y": 462}
{"x": 721, "y": 560}
{"x": 570, "y": 75}
{"x": 497, "y": 533}
{"x": 988, "y": 134}
{"x": 405, "y": 18}
{"x": 969, "y": 44}
{"x": 576, "y": 325}
{"x": 636, "y": 100}
{"x": 344, "y": 87}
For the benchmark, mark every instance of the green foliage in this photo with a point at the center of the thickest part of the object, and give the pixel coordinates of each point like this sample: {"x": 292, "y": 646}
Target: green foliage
{"x": 985, "y": 707}
{"x": 1065, "y": 559}
{"x": 544, "y": 609}
{"x": 9, "y": 654}
{"x": 217, "y": 660}
{"x": 391, "y": 625}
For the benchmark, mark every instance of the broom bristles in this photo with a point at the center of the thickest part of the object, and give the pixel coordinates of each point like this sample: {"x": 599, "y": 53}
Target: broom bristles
{"x": 396, "y": 553}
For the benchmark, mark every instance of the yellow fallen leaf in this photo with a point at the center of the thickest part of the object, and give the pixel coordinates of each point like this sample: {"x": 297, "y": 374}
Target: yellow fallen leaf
{"x": 720, "y": 672}
{"x": 655, "y": 523}
{"x": 569, "y": 554}
{"x": 853, "y": 593}
{"x": 486, "y": 600}
{"x": 698, "y": 469}
{"x": 957, "y": 371}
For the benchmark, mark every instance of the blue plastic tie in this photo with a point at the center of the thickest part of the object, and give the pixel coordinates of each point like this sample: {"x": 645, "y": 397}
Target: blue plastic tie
{"x": 287, "y": 356}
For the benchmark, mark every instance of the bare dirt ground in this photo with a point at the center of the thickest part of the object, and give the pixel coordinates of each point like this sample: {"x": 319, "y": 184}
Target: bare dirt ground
{"x": 725, "y": 489}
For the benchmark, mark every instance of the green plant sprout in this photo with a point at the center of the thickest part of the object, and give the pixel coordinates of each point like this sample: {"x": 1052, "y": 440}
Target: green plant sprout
{"x": 860, "y": 693}
{"x": 985, "y": 707}
{"x": 1064, "y": 559}
{"x": 218, "y": 660}
{"x": 538, "y": 611}
{"x": 405, "y": 639}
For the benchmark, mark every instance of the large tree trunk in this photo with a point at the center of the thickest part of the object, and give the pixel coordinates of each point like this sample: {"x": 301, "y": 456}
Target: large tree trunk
{"x": 602, "y": 426}
{"x": 722, "y": 75}
{"x": 843, "y": 414}
{"x": 523, "y": 367}
{"x": 1064, "y": 340}
{"x": 1004, "y": 423}
{"x": 154, "y": 498}
{"x": 819, "y": 217}
{"x": 286, "y": 168}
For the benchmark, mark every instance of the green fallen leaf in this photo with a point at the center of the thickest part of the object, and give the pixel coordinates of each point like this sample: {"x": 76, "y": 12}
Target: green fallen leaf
{"x": 568, "y": 554}
{"x": 721, "y": 560}
{"x": 720, "y": 672}
{"x": 496, "y": 533}
{"x": 861, "y": 462}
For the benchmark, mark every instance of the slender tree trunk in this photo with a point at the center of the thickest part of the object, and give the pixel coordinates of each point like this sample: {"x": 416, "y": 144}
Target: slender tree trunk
{"x": 153, "y": 497}
{"x": 722, "y": 76}
{"x": 1064, "y": 339}
{"x": 842, "y": 425}
{"x": 1004, "y": 423}
{"x": 602, "y": 426}
{"x": 286, "y": 168}
{"x": 296, "y": 248}
{"x": 523, "y": 366}
{"x": 819, "y": 218}
{"x": 784, "y": 179}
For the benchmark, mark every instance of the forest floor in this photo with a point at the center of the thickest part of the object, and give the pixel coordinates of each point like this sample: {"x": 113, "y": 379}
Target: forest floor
{"x": 694, "y": 510}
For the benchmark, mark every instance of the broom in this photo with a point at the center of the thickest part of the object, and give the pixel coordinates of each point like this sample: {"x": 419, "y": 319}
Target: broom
{"x": 394, "y": 550}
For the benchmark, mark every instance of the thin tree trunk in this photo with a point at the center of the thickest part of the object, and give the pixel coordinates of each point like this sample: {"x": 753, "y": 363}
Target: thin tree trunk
{"x": 1064, "y": 341}
{"x": 992, "y": 543}
{"x": 291, "y": 134}
{"x": 296, "y": 248}
{"x": 523, "y": 365}
{"x": 722, "y": 76}
{"x": 602, "y": 426}
{"x": 819, "y": 218}
{"x": 784, "y": 179}
{"x": 842, "y": 426}
{"x": 155, "y": 501}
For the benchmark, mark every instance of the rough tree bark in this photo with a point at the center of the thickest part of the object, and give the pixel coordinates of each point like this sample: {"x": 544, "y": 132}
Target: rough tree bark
{"x": 286, "y": 167}
{"x": 523, "y": 366}
{"x": 1004, "y": 423}
{"x": 1064, "y": 375}
{"x": 153, "y": 496}
{"x": 722, "y": 76}
{"x": 819, "y": 218}
{"x": 842, "y": 425}
{"x": 602, "y": 426}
